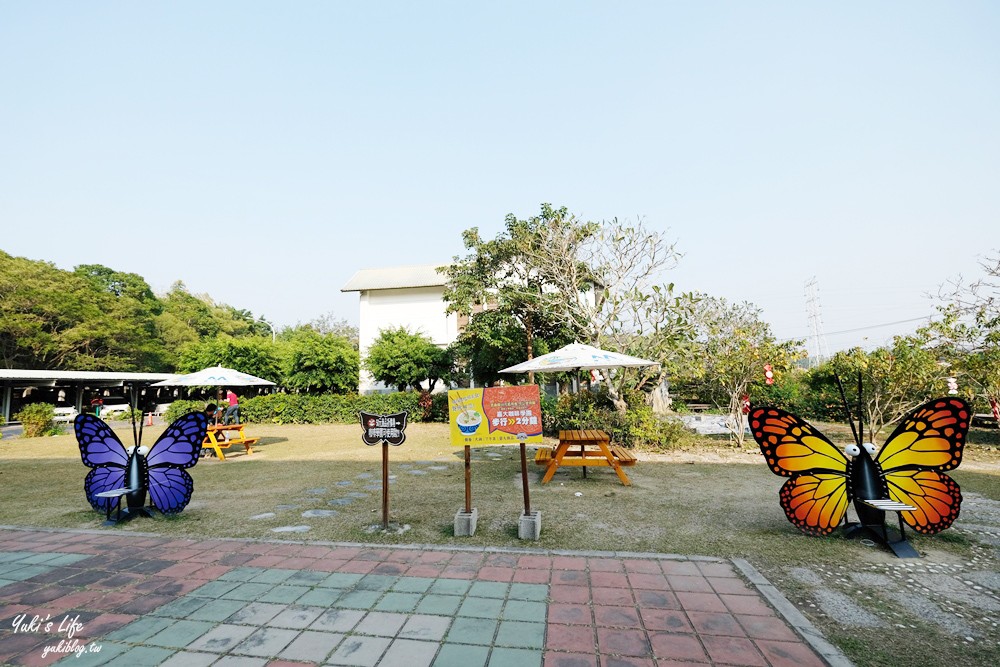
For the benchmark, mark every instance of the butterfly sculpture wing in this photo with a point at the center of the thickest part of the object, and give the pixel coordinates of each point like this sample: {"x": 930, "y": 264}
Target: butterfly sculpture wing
{"x": 170, "y": 487}
{"x": 927, "y": 442}
{"x": 101, "y": 450}
{"x": 816, "y": 497}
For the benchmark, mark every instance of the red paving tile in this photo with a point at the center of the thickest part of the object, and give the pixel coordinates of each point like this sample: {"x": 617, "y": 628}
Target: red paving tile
{"x": 532, "y": 576}
{"x": 266, "y": 561}
{"x": 766, "y": 627}
{"x": 568, "y": 563}
{"x": 670, "y": 646}
{"x": 569, "y": 637}
{"x": 328, "y": 565}
{"x": 357, "y": 566}
{"x": 535, "y": 562}
{"x": 680, "y": 567}
{"x": 452, "y": 572}
{"x": 729, "y": 585}
{"x": 666, "y": 619}
{"x": 183, "y": 569}
{"x": 612, "y": 596}
{"x": 605, "y": 565}
{"x": 553, "y": 659}
{"x": 785, "y": 654}
{"x": 424, "y": 571}
{"x": 571, "y": 577}
{"x": 573, "y": 614}
{"x": 623, "y": 642}
{"x": 717, "y": 570}
{"x": 746, "y": 604}
{"x": 701, "y": 602}
{"x": 657, "y": 599}
{"x": 608, "y": 579}
{"x": 642, "y": 566}
{"x": 733, "y": 651}
{"x": 707, "y": 623}
{"x": 144, "y": 604}
{"x": 569, "y": 594}
{"x": 616, "y": 617}
{"x": 655, "y": 582}
{"x": 505, "y": 574}
{"x": 625, "y": 661}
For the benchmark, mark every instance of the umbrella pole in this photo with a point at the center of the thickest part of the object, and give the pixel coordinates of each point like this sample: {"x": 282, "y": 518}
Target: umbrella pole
{"x": 468, "y": 480}
{"x": 524, "y": 482}
{"x": 385, "y": 485}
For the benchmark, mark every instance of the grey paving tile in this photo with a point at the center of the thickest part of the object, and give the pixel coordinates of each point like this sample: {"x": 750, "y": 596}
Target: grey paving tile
{"x": 180, "y": 634}
{"x": 296, "y": 618}
{"x": 522, "y": 610}
{"x": 409, "y": 653}
{"x": 461, "y": 655}
{"x": 380, "y": 623}
{"x": 140, "y": 629}
{"x": 320, "y": 597}
{"x": 272, "y": 576}
{"x": 311, "y": 646}
{"x": 190, "y": 659}
{"x": 376, "y": 582}
{"x": 241, "y": 661}
{"x": 141, "y": 656}
{"x": 222, "y": 638}
{"x": 488, "y": 589}
{"x": 430, "y": 628}
{"x": 359, "y": 651}
{"x": 450, "y": 586}
{"x": 472, "y": 631}
{"x": 444, "y": 605}
{"x": 358, "y": 599}
{"x": 401, "y": 602}
{"x": 532, "y": 592}
{"x": 338, "y": 620}
{"x": 481, "y": 607}
{"x": 181, "y": 607}
{"x": 248, "y": 592}
{"x": 284, "y": 594}
{"x": 518, "y": 634}
{"x": 515, "y": 657}
{"x": 109, "y": 651}
{"x": 214, "y": 589}
{"x": 306, "y": 578}
{"x": 266, "y": 642}
{"x": 257, "y": 613}
{"x": 338, "y": 580}
{"x": 217, "y": 610}
{"x": 412, "y": 584}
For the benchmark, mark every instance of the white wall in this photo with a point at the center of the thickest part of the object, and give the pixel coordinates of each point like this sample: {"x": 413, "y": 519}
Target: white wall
{"x": 419, "y": 309}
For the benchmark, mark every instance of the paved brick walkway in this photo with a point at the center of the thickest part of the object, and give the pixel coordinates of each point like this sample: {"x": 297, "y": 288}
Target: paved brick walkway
{"x": 149, "y": 601}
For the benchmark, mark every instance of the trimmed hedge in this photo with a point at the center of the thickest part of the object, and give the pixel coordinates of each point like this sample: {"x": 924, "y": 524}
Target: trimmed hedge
{"x": 319, "y": 409}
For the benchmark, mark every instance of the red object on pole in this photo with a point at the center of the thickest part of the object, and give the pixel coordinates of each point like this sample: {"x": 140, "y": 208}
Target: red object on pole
{"x": 745, "y": 400}
{"x": 768, "y": 374}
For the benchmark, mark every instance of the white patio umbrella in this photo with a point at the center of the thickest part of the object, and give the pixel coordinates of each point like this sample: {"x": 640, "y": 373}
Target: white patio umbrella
{"x": 216, "y": 376}
{"x": 576, "y": 357}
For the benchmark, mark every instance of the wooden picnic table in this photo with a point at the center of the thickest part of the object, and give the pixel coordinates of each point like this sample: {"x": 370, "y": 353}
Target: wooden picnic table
{"x": 588, "y": 447}
{"x": 216, "y": 437}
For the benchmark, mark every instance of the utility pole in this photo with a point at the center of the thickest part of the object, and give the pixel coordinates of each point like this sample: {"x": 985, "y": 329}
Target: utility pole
{"x": 819, "y": 347}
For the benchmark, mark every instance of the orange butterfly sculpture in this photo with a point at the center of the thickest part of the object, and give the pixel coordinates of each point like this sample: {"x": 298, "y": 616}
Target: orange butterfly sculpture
{"x": 909, "y": 469}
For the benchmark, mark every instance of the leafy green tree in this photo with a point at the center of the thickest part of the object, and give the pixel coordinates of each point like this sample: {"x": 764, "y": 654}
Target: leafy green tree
{"x": 256, "y": 356}
{"x": 732, "y": 346}
{"x": 316, "y": 363}
{"x": 401, "y": 359}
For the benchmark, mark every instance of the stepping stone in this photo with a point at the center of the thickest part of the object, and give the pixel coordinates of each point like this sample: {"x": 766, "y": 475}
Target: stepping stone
{"x": 437, "y": 467}
{"x": 417, "y": 472}
{"x": 265, "y": 515}
{"x": 309, "y": 514}
{"x": 373, "y": 487}
{"x": 356, "y": 494}
{"x": 340, "y": 501}
{"x": 345, "y": 482}
{"x": 365, "y": 475}
{"x": 291, "y": 529}
{"x": 317, "y": 491}
{"x": 286, "y": 507}
{"x": 405, "y": 465}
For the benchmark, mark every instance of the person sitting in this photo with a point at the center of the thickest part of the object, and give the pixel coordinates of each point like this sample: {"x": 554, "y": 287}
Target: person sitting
{"x": 212, "y": 412}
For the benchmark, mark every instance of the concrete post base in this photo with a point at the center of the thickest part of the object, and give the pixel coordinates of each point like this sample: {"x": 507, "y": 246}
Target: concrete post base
{"x": 465, "y": 523}
{"x": 529, "y": 527}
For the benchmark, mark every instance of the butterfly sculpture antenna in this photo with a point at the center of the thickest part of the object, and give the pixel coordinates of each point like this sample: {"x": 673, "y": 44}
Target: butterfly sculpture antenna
{"x": 847, "y": 409}
{"x": 861, "y": 418}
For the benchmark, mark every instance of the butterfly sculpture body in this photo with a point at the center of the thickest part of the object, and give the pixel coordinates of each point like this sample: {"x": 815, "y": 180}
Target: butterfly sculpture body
{"x": 136, "y": 471}
{"x": 908, "y": 469}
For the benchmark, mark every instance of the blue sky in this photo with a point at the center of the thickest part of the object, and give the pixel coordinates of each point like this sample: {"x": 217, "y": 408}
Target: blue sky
{"x": 263, "y": 152}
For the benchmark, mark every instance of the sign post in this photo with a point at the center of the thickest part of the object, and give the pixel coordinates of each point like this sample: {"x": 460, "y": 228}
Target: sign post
{"x": 389, "y": 430}
{"x": 496, "y": 416}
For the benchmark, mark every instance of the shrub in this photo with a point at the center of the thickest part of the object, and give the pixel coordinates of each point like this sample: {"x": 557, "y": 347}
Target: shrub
{"x": 38, "y": 420}
{"x": 638, "y": 427}
{"x": 178, "y": 409}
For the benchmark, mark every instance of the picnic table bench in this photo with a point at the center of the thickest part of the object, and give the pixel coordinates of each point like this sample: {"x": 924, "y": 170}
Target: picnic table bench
{"x": 595, "y": 449}
{"x": 216, "y": 438}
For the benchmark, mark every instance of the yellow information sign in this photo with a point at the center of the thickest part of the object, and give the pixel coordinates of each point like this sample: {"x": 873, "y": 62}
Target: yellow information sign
{"x": 495, "y": 415}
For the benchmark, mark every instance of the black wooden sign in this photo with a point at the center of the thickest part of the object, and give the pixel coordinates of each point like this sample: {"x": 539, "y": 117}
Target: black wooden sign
{"x": 383, "y": 428}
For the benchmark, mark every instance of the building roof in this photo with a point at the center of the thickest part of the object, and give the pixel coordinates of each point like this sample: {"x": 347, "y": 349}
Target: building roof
{"x": 396, "y": 277}
{"x": 40, "y": 377}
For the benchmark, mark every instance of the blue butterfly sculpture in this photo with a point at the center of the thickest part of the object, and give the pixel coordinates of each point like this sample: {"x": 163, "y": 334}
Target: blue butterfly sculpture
{"x": 132, "y": 472}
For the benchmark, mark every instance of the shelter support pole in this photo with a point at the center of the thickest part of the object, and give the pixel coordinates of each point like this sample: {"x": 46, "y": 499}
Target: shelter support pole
{"x": 7, "y": 393}
{"x": 468, "y": 480}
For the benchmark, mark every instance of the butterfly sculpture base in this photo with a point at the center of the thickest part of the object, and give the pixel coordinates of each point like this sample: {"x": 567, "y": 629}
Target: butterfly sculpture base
{"x": 895, "y": 540}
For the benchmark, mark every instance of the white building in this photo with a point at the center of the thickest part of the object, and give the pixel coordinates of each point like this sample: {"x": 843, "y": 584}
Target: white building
{"x": 402, "y": 296}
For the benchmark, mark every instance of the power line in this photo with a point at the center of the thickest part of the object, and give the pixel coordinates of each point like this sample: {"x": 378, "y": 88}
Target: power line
{"x": 873, "y": 326}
